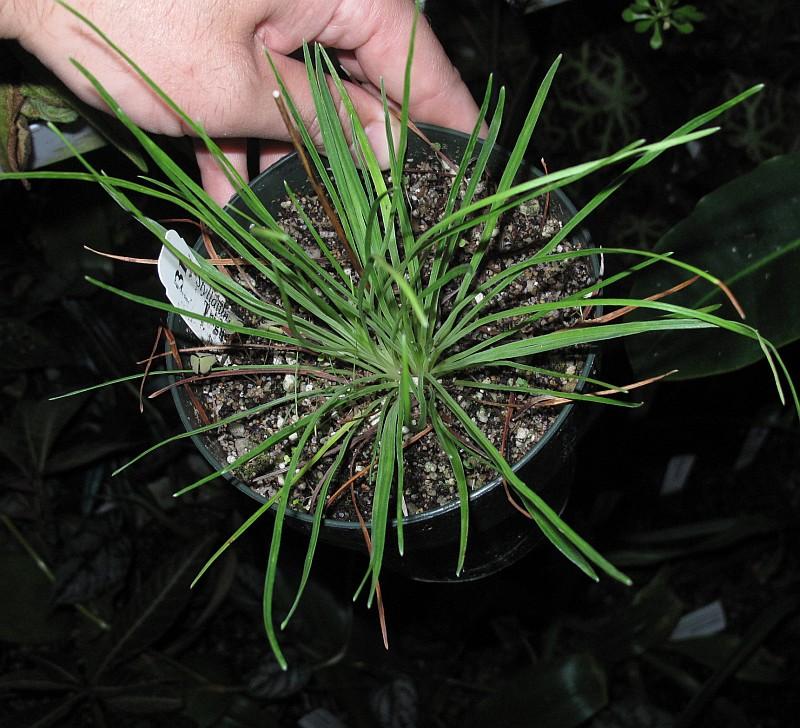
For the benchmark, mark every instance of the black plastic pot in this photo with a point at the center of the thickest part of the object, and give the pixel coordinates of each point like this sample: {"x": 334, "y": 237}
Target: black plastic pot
{"x": 498, "y": 535}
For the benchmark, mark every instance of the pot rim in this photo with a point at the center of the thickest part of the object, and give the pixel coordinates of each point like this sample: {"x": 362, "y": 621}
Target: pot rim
{"x": 451, "y": 506}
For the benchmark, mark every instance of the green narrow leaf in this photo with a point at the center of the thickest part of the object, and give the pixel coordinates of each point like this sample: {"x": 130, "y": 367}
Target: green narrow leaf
{"x": 543, "y": 392}
{"x": 517, "y": 155}
{"x": 235, "y": 417}
{"x": 446, "y": 247}
{"x": 510, "y": 173}
{"x": 451, "y": 449}
{"x": 293, "y": 473}
{"x": 347, "y": 431}
{"x": 400, "y": 478}
{"x": 561, "y": 531}
{"x": 405, "y": 289}
{"x": 271, "y": 572}
{"x": 486, "y": 353}
{"x": 260, "y": 511}
{"x": 384, "y": 480}
{"x": 554, "y": 537}
{"x": 643, "y": 161}
{"x": 477, "y": 212}
{"x": 226, "y": 166}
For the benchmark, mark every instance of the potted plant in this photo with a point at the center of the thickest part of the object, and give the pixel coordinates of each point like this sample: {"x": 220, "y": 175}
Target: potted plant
{"x": 430, "y": 528}
{"x": 378, "y": 326}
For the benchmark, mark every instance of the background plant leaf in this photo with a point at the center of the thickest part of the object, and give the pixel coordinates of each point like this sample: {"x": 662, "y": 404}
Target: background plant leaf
{"x": 26, "y": 612}
{"x": 647, "y": 621}
{"x": 322, "y": 623}
{"x": 269, "y": 682}
{"x": 80, "y": 456}
{"x": 395, "y": 704}
{"x": 33, "y": 428}
{"x": 96, "y": 558}
{"x": 32, "y": 680}
{"x": 24, "y": 346}
{"x": 48, "y": 99}
{"x": 659, "y": 546}
{"x": 155, "y": 606}
{"x": 43, "y": 102}
{"x": 14, "y": 133}
{"x": 205, "y": 681}
{"x": 560, "y": 694}
{"x": 150, "y": 702}
{"x": 715, "y": 650}
{"x": 747, "y": 233}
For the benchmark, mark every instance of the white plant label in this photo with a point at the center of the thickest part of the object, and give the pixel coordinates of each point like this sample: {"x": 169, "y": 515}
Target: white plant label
{"x": 189, "y": 292}
{"x": 679, "y": 468}
{"x": 702, "y": 622}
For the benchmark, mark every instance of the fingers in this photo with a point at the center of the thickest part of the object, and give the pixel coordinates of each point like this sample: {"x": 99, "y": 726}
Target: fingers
{"x": 213, "y": 178}
{"x": 375, "y": 37}
{"x": 259, "y": 117}
{"x": 272, "y": 152}
{"x": 377, "y": 33}
{"x": 225, "y": 83}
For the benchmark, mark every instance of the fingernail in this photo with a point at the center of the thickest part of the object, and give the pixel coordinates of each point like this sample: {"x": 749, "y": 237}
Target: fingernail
{"x": 376, "y": 134}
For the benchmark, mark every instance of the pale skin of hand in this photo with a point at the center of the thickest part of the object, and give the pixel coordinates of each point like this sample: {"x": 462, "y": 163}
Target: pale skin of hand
{"x": 208, "y": 55}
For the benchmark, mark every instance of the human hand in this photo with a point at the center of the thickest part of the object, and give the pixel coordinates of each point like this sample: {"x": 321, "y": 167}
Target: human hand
{"x": 209, "y": 57}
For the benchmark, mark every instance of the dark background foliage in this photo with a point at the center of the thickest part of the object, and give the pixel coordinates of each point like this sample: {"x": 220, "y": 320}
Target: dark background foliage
{"x": 696, "y": 494}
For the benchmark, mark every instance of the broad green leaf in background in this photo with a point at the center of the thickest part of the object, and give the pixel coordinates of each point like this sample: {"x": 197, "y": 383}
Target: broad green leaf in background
{"x": 322, "y": 623}
{"x": 43, "y": 101}
{"x": 715, "y": 650}
{"x": 270, "y": 682}
{"x": 747, "y": 233}
{"x": 559, "y": 694}
{"x": 751, "y": 640}
{"x": 42, "y": 97}
{"x": 205, "y": 681}
{"x": 633, "y": 629}
{"x": 663, "y": 545}
{"x": 14, "y": 134}
{"x": 152, "y": 700}
{"x": 21, "y": 104}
